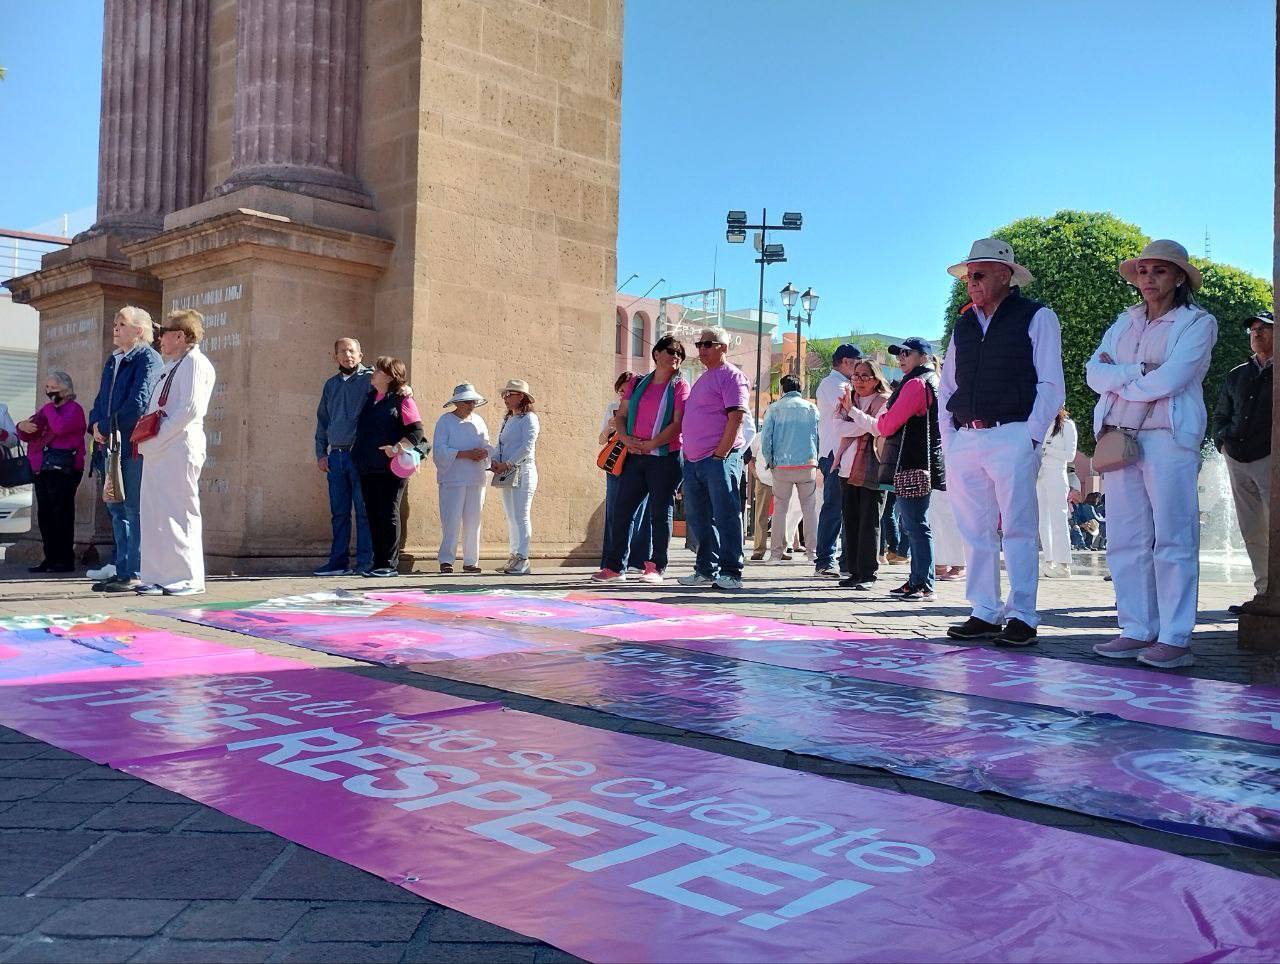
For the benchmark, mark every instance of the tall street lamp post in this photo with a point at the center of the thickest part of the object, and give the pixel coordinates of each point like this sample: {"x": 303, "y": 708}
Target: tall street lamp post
{"x": 808, "y": 303}
{"x": 736, "y": 228}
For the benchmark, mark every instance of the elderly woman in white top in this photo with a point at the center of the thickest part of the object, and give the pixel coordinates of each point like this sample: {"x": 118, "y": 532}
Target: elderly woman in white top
{"x": 1148, "y": 371}
{"x": 460, "y": 450}
{"x": 515, "y": 472}
{"x": 172, "y": 544}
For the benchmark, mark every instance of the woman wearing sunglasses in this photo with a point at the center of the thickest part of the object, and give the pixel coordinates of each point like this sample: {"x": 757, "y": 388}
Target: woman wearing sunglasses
{"x": 649, "y": 421}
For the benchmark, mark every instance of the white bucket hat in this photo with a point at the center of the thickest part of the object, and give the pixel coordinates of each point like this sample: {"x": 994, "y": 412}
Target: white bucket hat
{"x": 517, "y": 385}
{"x": 996, "y": 251}
{"x": 466, "y": 392}
{"x": 1164, "y": 250}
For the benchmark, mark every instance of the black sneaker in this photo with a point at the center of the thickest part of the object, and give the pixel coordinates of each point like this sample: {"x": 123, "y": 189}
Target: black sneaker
{"x": 1016, "y": 633}
{"x": 917, "y": 594}
{"x": 828, "y": 572}
{"x": 975, "y": 628}
{"x": 902, "y": 590}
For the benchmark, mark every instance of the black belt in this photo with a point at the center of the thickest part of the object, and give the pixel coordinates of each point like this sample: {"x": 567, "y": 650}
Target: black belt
{"x": 980, "y": 424}
{"x": 341, "y": 448}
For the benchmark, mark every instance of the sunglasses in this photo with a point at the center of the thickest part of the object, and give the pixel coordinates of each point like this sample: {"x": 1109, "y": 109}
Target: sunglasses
{"x": 864, "y": 378}
{"x": 903, "y": 353}
{"x": 706, "y": 344}
{"x": 163, "y": 330}
{"x": 976, "y": 276}
{"x": 674, "y": 353}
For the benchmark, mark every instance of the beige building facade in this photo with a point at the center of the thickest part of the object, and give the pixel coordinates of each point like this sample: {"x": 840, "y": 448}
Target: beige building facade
{"x": 437, "y": 178}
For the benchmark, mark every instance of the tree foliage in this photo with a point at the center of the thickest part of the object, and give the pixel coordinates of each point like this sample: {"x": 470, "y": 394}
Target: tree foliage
{"x": 1075, "y": 257}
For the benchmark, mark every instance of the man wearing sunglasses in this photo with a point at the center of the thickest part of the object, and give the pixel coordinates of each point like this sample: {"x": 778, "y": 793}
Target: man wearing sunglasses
{"x": 713, "y": 444}
{"x": 1002, "y": 386}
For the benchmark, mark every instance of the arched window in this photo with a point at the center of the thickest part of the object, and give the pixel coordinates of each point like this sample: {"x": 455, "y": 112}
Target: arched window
{"x": 619, "y": 332}
{"x": 639, "y": 328}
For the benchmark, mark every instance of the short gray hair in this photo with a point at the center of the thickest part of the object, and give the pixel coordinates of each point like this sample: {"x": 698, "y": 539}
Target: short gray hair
{"x": 139, "y": 319}
{"x": 62, "y": 378}
{"x": 717, "y": 334}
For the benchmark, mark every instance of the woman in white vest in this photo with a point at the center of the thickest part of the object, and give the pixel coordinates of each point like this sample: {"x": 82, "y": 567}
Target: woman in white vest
{"x": 172, "y": 544}
{"x": 460, "y": 450}
{"x": 515, "y": 473}
{"x": 1148, "y": 371}
{"x": 1051, "y": 494}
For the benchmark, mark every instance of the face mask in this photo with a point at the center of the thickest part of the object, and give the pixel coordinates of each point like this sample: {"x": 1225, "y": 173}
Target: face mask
{"x": 347, "y": 371}
{"x": 53, "y": 396}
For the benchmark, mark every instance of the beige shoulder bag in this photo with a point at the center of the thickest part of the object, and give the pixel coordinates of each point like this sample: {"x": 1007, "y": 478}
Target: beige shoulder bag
{"x": 1118, "y": 447}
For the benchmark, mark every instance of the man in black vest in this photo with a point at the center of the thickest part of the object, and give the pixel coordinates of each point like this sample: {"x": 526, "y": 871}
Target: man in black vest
{"x": 1001, "y": 386}
{"x": 1242, "y": 432}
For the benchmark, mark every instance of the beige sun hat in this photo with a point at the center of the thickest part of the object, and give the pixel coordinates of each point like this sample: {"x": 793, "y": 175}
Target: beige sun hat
{"x": 466, "y": 392}
{"x": 518, "y": 385}
{"x": 1162, "y": 250}
{"x": 996, "y": 251}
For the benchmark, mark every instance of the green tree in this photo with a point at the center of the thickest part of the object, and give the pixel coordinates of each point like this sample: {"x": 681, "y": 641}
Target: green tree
{"x": 825, "y": 348}
{"x": 1075, "y": 256}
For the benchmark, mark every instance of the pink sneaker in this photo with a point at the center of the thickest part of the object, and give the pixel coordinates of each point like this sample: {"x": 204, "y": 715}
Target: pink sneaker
{"x": 608, "y": 575}
{"x": 650, "y": 574}
{"x": 1121, "y": 647}
{"x": 1164, "y": 656}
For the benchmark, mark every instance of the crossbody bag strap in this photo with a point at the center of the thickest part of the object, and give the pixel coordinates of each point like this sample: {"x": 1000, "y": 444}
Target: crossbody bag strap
{"x": 164, "y": 392}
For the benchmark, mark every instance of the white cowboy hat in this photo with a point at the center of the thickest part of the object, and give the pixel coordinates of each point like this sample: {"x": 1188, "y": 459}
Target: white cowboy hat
{"x": 996, "y": 251}
{"x": 465, "y": 392}
{"x": 517, "y": 385}
{"x": 1164, "y": 250}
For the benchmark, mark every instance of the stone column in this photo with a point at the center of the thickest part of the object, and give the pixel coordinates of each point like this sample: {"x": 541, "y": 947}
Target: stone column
{"x": 297, "y": 98}
{"x": 151, "y": 155}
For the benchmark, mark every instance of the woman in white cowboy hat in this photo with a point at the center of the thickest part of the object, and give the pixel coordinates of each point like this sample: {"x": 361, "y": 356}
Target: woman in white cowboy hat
{"x": 1148, "y": 372}
{"x": 460, "y": 450}
{"x": 514, "y": 470}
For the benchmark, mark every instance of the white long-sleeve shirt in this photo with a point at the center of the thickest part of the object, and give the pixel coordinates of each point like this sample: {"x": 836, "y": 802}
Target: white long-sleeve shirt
{"x": 453, "y": 435}
{"x": 828, "y": 399}
{"x": 186, "y": 404}
{"x": 1061, "y": 448}
{"x": 517, "y": 439}
{"x": 1046, "y": 354}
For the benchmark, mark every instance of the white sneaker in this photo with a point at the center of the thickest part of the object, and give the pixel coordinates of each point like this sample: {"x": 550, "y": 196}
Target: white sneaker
{"x": 518, "y": 566}
{"x": 728, "y": 582}
{"x": 695, "y": 580}
{"x": 101, "y": 575}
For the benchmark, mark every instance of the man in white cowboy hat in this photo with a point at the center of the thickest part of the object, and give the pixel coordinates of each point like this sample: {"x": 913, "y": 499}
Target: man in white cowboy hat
{"x": 1001, "y": 387}
{"x": 1242, "y": 432}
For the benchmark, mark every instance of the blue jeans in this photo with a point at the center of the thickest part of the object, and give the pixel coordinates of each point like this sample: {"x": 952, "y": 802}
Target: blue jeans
{"x": 639, "y": 536}
{"x": 830, "y": 517}
{"x": 646, "y": 495}
{"x": 344, "y": 496}
{"x": 915, "y": 526}
{"x": 124, "y": 517}
{"x": 892, "y": 536}
{"x": 713, "y": 512}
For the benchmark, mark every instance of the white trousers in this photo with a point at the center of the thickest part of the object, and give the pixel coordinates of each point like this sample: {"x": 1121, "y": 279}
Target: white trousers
{"x": 991, "y": 481}
{"x": 1055, "y": 529}
{"x": 516, "y": 502}
{"x": 1251, "y": 490}
{"x": 1153, "y": 540}
{"x": 172, "y": 543}
{"x": 948, "y": 547}
{"x": 460, "y": 508}
{"x": 804, "y": 483}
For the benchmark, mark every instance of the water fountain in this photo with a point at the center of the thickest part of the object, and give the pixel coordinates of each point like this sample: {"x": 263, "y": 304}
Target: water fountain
{"x": 1222, "y": 553}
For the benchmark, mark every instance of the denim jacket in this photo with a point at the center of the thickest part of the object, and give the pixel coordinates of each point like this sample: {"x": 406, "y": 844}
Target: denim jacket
{"x": 120, "y": 406}
{"x": 790, "y": 433}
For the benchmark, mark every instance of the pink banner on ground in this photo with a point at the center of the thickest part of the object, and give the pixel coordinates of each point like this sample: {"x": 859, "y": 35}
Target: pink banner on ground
{"x": 616, "y": 848}
{"x": 61, "y": 649}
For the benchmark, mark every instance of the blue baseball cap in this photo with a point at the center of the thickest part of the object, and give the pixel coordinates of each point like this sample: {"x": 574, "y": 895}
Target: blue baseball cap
{"x": 912, "y": 344}
{"x": 845, "y": 351}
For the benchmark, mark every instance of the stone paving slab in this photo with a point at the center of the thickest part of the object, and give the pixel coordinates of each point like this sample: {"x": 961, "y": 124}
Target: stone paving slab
{"x": 96, "y": 865}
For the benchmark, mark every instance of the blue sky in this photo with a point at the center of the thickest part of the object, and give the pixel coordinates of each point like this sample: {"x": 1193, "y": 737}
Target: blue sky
{"x": 902, "y": 129}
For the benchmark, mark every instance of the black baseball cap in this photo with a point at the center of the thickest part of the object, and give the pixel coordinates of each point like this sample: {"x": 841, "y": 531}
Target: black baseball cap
{"x": 912, "y": 344}
{"x": 845, "y": 351}
{"x": 1266, "y": 317}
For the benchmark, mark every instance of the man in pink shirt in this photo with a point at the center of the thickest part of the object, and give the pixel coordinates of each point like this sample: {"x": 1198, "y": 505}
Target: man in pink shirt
{"x": 713, "y": 445}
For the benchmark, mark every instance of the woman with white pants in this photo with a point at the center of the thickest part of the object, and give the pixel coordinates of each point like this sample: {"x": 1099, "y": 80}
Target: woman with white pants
{"x": 460, "y": 450}
{"x": 1051, "y": 494}
{"x": 1148, "y": 371}
{"x": 515, "y": 473}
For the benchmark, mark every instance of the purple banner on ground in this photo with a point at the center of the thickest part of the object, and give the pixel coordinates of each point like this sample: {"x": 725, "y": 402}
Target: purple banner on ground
{"x": 617, "y": 848}
{"x": 1187, "y": 782}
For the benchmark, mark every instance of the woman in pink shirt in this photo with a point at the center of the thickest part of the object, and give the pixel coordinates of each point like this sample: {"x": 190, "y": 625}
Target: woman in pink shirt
{"x": 55, "y": 446}
{"x": 649, "y": 421}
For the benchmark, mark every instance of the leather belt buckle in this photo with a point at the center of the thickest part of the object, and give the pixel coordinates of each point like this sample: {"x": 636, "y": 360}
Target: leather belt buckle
{"x": 980, "y": 424}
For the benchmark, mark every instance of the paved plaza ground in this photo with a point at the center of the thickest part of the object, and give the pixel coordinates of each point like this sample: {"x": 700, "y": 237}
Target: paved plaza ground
{"x": 96, "y": 865}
